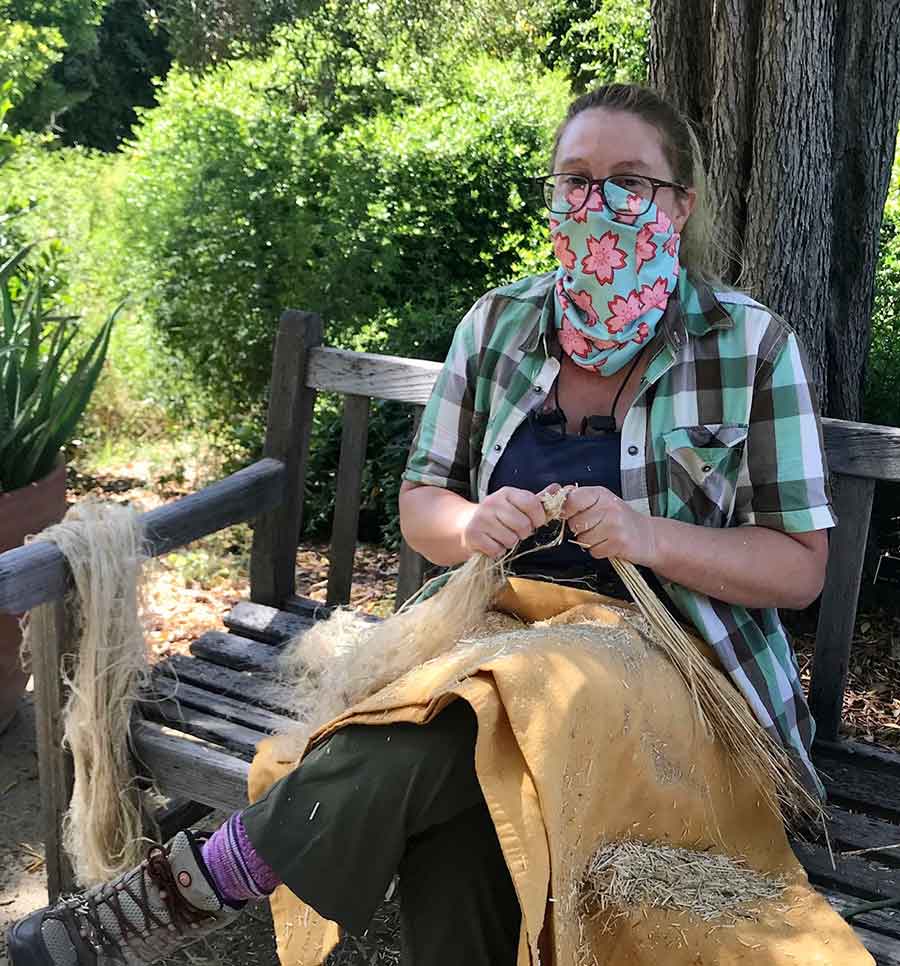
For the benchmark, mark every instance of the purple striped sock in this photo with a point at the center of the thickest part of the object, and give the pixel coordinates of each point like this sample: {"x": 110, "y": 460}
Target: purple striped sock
{"x": 236, "y": 868}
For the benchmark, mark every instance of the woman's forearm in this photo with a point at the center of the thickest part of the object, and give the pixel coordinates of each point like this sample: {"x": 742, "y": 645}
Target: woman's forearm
{"x": 750, "y": 566}
{"x": 433, "y": 521}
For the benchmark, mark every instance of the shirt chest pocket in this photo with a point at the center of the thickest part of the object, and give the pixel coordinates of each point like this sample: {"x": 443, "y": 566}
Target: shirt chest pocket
{"x": 703, "y": 465}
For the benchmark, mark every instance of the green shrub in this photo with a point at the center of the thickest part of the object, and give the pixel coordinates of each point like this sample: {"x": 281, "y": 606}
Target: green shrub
{"x": 235, "y": 208}
{"x": 882, "y": 393}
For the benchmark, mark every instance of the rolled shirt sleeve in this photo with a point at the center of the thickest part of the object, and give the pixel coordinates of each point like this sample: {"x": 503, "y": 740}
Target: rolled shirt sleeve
{"x": 786, "y": 483}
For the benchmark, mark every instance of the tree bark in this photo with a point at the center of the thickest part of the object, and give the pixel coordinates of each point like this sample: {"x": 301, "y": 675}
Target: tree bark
{"x": 797, "y": 104}
{"x": 866, "y": 109}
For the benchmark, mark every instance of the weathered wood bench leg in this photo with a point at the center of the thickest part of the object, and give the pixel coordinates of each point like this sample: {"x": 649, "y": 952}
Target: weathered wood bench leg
{"x": 837, "y": 611}
{"x": 54, "y": 762}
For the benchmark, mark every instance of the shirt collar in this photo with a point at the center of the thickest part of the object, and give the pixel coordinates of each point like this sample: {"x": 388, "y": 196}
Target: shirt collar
{"x": 543, "y": 323}
{"x": 693, "y": 309}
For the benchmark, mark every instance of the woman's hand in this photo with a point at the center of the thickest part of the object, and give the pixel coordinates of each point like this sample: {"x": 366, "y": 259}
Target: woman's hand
{"x": 502, "y": 519}
{"x": 607, "y": 527}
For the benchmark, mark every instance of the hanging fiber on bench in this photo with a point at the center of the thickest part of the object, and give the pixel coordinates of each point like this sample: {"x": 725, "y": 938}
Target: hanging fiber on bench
{"x": 103, "y": 545}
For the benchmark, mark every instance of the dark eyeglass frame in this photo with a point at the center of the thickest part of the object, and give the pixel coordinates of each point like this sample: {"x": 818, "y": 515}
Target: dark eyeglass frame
{"x": 544, "y": 181}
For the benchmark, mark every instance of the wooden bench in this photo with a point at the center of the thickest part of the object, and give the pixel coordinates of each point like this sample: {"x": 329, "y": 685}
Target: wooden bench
{"x": 198, "y": 746}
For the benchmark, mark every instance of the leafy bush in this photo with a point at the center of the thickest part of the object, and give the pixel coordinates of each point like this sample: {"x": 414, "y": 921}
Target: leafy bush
{"x": 882, "y": 394}
{"x": 236, "y": 208}
{"x": 599, "y": 41}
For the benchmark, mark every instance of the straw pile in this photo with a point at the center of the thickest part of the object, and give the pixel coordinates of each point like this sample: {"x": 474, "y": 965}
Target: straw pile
{"x": 103, "y": 546}
{"x": 624, "y": 876}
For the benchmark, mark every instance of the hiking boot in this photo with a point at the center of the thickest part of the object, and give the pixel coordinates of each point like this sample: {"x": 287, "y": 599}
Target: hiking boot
{"x": 146, "y": 914}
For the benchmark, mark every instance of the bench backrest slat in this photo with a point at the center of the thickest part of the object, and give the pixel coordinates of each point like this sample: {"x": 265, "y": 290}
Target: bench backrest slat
{"x": 367, "y": 374}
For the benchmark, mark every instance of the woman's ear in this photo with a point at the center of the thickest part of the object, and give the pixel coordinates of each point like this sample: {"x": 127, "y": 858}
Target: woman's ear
{"x": 684, "y": 205}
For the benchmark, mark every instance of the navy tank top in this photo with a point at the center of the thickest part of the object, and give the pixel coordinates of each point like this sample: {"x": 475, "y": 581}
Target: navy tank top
{"x": 539, "y": 453}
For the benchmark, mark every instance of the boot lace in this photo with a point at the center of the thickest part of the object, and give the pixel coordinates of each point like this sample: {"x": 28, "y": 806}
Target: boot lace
{"x": 182, "y": 915}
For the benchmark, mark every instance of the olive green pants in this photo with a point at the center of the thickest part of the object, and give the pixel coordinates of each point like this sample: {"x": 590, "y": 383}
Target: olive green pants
{"x": 372, "y": 801}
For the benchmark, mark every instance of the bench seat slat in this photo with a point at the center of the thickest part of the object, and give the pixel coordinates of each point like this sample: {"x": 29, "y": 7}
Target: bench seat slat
{"x": 254, "y": 689}
{"x": 238, "y": 653}
{"x": 219, "y": 705}
{"x": 885, "y": 949}
{"x": 850, "y": 785}
{"x": 189, "y": 767}
{"x": 263, "y": 623}
{"x": 855, "y": 875}
{"x": 850, "y": 831}
{"x": 884, "y": 921}
{"x": 232, "y": 737}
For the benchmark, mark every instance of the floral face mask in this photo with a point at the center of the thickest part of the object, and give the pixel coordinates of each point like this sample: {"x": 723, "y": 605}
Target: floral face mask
{"x": 616, "y": 274}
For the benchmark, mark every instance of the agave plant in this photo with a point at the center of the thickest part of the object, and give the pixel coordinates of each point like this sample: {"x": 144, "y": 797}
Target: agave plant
{"x": 46, "y": 378}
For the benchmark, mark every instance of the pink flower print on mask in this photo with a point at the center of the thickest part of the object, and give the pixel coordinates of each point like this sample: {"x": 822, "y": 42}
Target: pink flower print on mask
{"x": 585, "y": 302}
{"x": 645, "y": 247}
{"x": 572, "y": 341}
{"x": 670, "y": 245}
{"x": 624, "y": 311}
{"x": 643, "y": 331}
{"x": 554, "y": 223}
{"x": 655, "y": 296}
{"x": 561, "y": 296}
{"x": 563, "y": 252}
{"x": 635, "y": 203}
{"x": 594, "y": 203}
{"x": 662, "y": 224}
{"x": 603, "y": 258}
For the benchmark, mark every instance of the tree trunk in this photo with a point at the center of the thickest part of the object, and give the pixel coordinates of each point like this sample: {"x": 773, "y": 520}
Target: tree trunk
{"x": 797, "y": 104}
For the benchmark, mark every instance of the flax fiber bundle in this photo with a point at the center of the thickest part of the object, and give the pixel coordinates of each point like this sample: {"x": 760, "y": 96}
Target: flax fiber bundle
{"x": 103, "y": 546}
{"x": 345, "y": 659}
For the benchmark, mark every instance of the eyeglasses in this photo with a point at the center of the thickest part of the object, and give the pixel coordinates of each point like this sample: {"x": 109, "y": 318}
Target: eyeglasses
{"x": 624, "y": 194}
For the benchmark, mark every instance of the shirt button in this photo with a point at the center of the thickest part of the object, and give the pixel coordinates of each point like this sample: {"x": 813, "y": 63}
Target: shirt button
{"x": 632, "y": 450}
{"x": 707, "y": 468}
{"x": 538, "y": 389}
{"x": 497, "y": 447}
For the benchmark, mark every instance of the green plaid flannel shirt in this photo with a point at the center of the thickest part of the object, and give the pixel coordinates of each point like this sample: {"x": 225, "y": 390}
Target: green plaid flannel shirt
{"x": 724, "y": 431}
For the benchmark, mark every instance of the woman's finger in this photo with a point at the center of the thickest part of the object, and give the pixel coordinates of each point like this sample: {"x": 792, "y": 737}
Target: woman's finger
{"x": 530, "y": 505}
{"x": 498, "y": 531}
{"x": 488, "y": 546}
{"x": 517, "y": 521}
{"x": 586, "y": 520}
{"x": 582, "y": 499}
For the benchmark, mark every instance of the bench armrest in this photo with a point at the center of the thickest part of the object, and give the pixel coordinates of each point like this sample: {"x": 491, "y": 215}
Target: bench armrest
{"x": 37, "y": 573}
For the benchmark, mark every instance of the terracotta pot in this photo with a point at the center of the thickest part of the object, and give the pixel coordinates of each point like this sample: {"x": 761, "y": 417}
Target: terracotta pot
{"x": 22, "y": 512}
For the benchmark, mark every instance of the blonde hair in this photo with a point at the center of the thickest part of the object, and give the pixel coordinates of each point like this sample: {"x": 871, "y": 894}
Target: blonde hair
{"x": 701, "y": 247}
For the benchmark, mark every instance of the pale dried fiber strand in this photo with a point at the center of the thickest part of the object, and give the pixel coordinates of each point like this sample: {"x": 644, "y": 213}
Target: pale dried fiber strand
{"x": 103, "y": 545}
{"x": 721, "y": 709}
{"x": 624, "y": 876}
{"x": 341, "y": 660}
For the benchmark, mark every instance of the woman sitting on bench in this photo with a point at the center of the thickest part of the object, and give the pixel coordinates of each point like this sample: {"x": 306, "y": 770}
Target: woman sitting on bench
{"x": 686, "y": 418}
